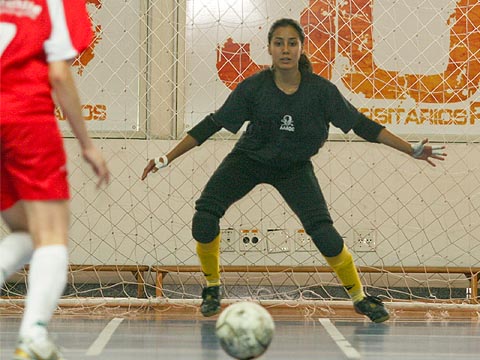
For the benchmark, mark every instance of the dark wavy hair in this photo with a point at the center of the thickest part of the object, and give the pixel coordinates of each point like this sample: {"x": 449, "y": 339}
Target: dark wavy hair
{"x": 304, "y": 63}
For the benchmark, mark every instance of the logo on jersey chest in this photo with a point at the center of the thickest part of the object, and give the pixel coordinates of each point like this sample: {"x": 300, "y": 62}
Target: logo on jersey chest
{"x": 287, "y": 123}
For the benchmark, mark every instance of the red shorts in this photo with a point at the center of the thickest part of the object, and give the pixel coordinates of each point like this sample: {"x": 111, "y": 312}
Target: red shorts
{"x": 32, "y": 164}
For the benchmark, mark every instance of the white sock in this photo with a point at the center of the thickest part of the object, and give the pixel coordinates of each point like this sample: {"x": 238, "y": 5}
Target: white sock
{"x": 46, "y": 282}
{"x": 15, "y": 251}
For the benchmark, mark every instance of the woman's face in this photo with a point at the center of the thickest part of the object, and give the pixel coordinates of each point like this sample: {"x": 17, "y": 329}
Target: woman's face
{"x": 285, "y": 48}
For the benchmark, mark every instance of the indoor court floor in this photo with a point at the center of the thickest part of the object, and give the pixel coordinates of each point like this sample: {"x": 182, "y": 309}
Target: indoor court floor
{"x": 121, "y": 338}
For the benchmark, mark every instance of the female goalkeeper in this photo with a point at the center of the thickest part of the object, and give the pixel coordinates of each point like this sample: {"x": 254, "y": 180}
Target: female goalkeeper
{"x": 289, "y": 110}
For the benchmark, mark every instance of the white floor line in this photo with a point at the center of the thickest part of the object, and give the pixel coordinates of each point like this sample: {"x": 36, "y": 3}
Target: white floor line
{"x": 349, "y": 351}
{"x": 104, "y": 337}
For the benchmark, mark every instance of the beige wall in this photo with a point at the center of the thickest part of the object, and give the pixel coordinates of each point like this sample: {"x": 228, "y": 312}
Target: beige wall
{"x": 421, "y": 215}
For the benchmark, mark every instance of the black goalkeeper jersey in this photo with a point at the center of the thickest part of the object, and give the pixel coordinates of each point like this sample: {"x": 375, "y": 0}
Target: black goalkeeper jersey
{"x": 285, "y": 129}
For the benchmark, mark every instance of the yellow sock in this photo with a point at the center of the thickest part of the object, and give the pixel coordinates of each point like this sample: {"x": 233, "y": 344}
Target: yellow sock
{"x": 209, "y": 255}
{"x": 347, "y": 273}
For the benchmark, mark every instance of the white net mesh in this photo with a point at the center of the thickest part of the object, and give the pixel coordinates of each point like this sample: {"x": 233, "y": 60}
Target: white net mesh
{"x": 156, "y": 68}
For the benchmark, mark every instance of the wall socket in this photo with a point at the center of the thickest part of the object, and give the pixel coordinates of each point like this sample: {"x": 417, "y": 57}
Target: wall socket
{"x": 277, "y": 241}
{"x": 228, "y": 238}
{"x": 364, "y": 240}
{"x": 251, "y": 240}
{"x": 303, "y": 242}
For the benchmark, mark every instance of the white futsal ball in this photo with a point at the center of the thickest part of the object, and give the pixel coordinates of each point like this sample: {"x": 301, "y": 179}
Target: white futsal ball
{"x": 245, "y": 330}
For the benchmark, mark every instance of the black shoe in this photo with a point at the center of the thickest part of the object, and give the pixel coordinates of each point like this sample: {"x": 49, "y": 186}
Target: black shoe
{"x": 372, "y": 307}
{"x": 211, "y": 296}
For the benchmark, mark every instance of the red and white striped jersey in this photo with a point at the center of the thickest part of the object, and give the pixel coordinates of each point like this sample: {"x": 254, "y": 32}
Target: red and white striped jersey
{"x": 34, "y": 33}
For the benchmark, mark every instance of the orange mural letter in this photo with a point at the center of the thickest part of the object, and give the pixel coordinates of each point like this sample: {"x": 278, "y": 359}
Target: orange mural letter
{"x": 461, "y": 78}
{"x": 318, "y": 21}
{"x": 457, "y": 83}
{"x": 234, "y": 63}
{"x": 88, "y": 54}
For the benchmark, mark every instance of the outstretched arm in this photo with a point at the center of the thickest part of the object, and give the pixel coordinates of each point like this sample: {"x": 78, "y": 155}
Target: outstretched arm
{"x": 420, "y": 150}
{"x": 196, "y": 136}
{"x": 186, "y": 144}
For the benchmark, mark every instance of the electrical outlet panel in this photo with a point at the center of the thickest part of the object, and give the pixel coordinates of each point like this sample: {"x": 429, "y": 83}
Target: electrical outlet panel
{"x": 251, "y": 240}
{"x": 303, "y": 242}
{"x": 364, "y": 240}
{"x": 277, "y": 241}
{"x": 228, "y": 239}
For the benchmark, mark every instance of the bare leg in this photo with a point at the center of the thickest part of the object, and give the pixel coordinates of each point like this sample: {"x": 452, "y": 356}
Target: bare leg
{"x": 16, "y": 249}
{"x": 48, "y": 225}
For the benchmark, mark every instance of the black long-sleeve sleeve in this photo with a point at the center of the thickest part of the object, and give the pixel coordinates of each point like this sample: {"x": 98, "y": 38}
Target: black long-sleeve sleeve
{"x": 204, "y": 129}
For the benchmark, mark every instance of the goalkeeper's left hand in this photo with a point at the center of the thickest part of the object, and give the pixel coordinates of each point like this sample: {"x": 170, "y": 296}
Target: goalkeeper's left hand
{"x": 422, "y": 151}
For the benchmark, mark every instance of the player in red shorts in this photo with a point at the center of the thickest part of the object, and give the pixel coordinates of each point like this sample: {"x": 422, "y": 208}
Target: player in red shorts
{"x": 38, "y": 41}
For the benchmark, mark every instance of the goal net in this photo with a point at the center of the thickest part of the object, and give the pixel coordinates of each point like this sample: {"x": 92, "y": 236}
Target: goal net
{"x": 156, "y": 68}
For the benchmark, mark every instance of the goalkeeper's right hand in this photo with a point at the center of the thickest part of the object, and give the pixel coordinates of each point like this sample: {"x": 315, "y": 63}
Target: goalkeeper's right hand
{"x": 154, "y": 165}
